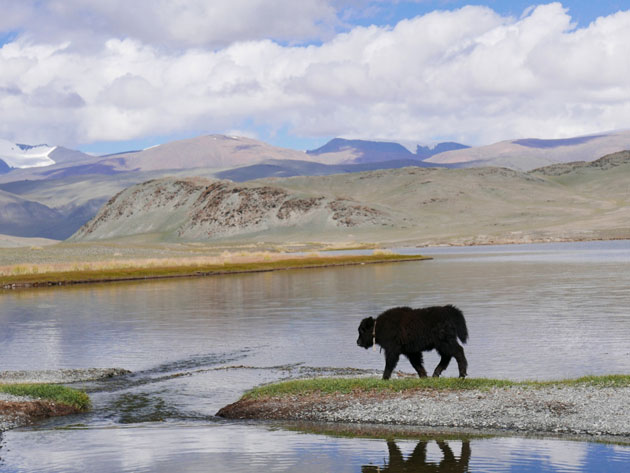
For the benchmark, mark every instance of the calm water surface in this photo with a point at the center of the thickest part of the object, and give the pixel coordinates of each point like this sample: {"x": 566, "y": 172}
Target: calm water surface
{"x": 533, "y": 312}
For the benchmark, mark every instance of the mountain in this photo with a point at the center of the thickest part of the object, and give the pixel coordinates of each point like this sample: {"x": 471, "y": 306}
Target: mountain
{"x": 25, "y": 218}
{"x": 74, "y": 199}
{"x": 425, "y": 152}
{"x": 25, "y": 156}
{"x": 528, "y": 154}
{"x": 75, "y": 187}
{"x": 215, "y": 152}
{"x": 291, "y": 168}
{"x": 418, "y": 206}
{"x": 339, "y": 150}
{"x": 61, "y": 155}
{"x": 208, "y": 151}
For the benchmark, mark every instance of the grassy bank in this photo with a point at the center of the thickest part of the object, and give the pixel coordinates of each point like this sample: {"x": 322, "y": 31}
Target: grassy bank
{"x": 358, "y": 385}
{"x": 44, "y": 275}
{"x": 50, "y": 392}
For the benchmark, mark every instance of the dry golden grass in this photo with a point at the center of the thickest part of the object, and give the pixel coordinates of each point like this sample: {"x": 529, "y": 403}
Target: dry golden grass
{"x": 226, "y": 257}
{"x": 142, "y": 268}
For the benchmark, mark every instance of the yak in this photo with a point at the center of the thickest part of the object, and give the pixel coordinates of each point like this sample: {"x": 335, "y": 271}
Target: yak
{"x": 407, "y": 331}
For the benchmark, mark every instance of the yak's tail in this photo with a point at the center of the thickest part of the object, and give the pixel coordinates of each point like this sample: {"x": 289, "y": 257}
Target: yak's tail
{"x": 457, "y": 317}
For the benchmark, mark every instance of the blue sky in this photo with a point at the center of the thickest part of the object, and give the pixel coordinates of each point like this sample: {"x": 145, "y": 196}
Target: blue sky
{"x": 105, "y": 77}
{"x": 583, "y": 12}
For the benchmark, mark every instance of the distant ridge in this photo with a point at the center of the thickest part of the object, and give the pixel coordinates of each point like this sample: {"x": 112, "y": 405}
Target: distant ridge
{"x": 365, "y": 147}
{"x": 424, "y": 152}
{"x": 340, "y": 150}
{"x": 531, "y": 153}
{"x": 538, "y": 143}
{"x": 291, "y": 168}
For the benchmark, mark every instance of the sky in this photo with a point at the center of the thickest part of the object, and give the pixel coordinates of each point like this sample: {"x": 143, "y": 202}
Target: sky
{"x": 115, "y": 75}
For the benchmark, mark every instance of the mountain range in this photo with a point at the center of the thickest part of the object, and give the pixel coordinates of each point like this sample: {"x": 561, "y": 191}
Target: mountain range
{"x": 40, "y": 199}
{"x": 414, "y": 205}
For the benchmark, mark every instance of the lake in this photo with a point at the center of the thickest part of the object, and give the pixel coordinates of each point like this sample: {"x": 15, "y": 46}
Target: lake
{"x": 546, "y": 311}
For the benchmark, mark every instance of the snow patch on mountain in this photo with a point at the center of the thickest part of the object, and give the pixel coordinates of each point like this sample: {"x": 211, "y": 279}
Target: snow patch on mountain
{"x": 25, "y": 156}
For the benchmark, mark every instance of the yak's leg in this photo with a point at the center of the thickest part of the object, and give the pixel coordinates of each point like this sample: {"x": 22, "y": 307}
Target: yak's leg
{"x": 446, "y": 359}
{"x": 464, "y": 458}
{"x": 418, "y": 457}
{"x": 391, "y": 359}
{"x": 462, "y": 363}
{"x": 447, "y": 453}
{"x": 416, "y": 361}
{"x": 396, "y": 459}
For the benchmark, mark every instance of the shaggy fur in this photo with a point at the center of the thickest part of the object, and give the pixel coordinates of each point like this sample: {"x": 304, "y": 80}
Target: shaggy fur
{"x": 407, "y": 331}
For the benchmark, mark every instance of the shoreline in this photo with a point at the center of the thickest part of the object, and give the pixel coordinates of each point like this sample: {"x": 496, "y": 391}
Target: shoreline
{"x": 21, "y": 411}
{"x": 516, "y": 242}
{"x": 585, "y": 411}
{"x": 36, "y": 272}
{"x": 141, "y": 273}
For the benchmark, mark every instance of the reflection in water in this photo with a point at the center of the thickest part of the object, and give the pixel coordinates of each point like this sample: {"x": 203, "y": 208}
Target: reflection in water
{"x": 417, "y": 461}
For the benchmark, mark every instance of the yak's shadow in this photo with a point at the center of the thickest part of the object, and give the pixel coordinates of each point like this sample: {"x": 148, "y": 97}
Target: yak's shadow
{"x": 417, "y": 461}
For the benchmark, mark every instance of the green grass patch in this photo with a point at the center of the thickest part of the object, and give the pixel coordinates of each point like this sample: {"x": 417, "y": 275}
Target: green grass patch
{"x": 50, "y": 392}
{"x": 605, "y": 381}
{"x": 86, "y": 274}
{"x": 352, "y": 385}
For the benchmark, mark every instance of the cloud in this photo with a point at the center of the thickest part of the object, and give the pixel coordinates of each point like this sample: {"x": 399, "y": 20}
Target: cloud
{"x": 170, "y": 23}
{"x": 470, "y": 75}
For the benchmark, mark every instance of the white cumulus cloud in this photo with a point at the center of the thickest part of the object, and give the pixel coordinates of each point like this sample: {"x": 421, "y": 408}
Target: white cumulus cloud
{"x": 469, "y": 74}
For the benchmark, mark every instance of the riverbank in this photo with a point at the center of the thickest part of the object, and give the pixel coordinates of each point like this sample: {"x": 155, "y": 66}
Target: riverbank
{"x": 27, "y": 397}
{"x": 594, "y": 406}
{"x": 63, "y": 274}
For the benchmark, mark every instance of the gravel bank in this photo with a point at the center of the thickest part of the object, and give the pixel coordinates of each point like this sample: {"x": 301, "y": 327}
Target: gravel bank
{"x": 59, "y": 376}
{"x": 18, "y": 411}
{"x": 10, "y": 421}
{"x": 576, "y": 410}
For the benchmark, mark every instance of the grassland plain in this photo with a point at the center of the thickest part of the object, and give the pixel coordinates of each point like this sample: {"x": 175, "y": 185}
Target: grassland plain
{"x": 592, "y": 406}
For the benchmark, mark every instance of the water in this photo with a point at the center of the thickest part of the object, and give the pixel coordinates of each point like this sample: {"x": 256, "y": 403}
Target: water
{"x": 533, "y": 312}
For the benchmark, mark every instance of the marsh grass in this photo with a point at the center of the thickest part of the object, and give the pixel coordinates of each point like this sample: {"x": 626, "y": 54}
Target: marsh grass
{"x": 50, "y": 392}
{"x": 354, "y": 385}
{"x": 113, "y": 270}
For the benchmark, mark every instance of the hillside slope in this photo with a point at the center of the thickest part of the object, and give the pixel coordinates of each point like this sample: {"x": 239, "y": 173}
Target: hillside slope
{"x": 202, "y": 209}
{"x": 528, "y": 154}
{"x": 409, "y": 205}
{"x": 26, "y": 218}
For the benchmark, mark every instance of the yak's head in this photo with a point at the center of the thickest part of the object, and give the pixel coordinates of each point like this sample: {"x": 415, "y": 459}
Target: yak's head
{"x": 366, "y": 333}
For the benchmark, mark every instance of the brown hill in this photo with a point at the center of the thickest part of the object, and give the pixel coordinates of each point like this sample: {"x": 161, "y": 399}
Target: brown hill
{"x": 208, "y": 151}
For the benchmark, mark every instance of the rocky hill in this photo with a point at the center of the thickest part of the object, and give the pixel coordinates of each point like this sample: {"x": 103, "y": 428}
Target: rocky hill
{"x": 408, "y": 205}
{"x": 205, "y": 209}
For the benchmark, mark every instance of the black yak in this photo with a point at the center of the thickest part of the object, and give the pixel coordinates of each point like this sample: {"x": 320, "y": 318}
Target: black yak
{"x": 407, "y": 331}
